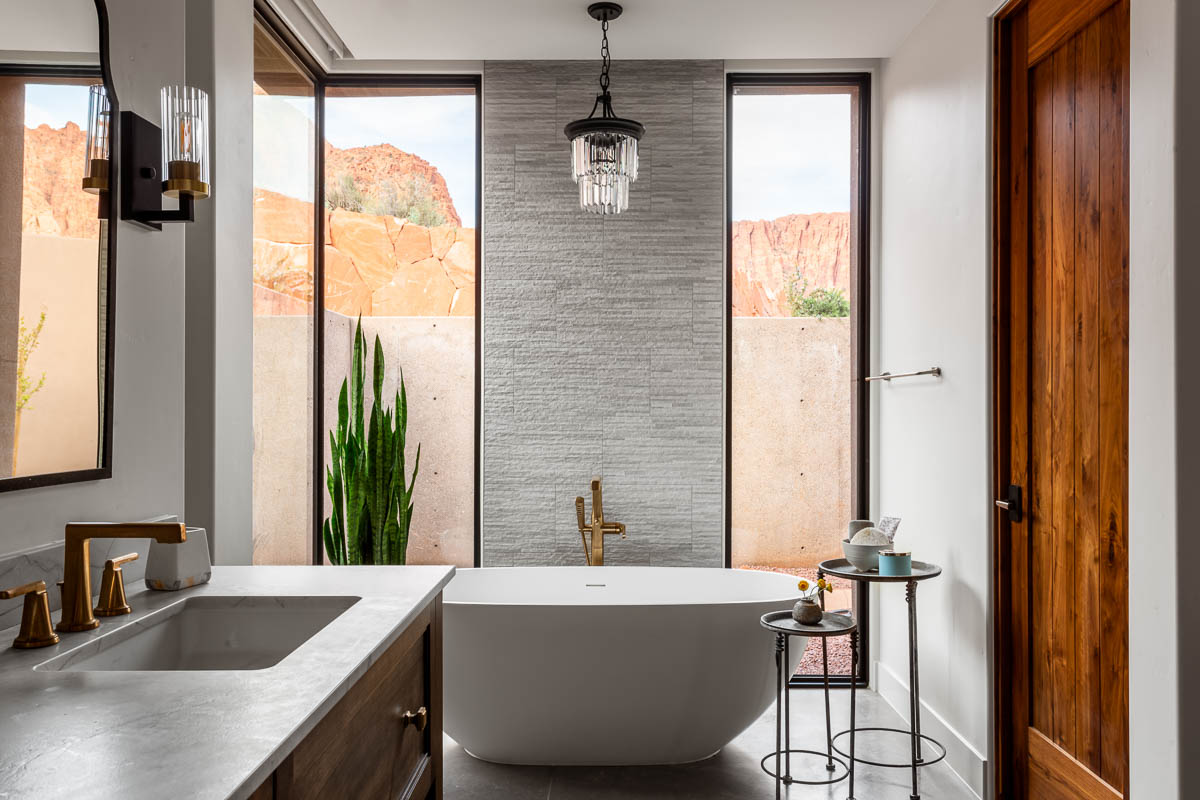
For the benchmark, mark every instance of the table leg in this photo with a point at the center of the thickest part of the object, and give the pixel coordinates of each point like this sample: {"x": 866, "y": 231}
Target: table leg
{"x": 787, "y": 710}
{"x": 779, "y": 637}
{"x": 828, "y": 722}
{"x": 853, "y": 710}
{"x": 914, "y": 713}
{"x": 916, "y": 676}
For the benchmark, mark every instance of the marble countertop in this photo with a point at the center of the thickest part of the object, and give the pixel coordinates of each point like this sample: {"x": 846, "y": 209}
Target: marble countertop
{"x": 203, "y": 734}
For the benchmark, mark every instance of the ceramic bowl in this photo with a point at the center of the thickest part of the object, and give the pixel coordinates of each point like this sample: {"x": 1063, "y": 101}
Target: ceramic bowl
{"x": 864, "y": 557}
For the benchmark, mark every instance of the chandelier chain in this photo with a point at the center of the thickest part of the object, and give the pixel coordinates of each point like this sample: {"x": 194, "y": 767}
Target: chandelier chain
{"x": 605, "y": 59}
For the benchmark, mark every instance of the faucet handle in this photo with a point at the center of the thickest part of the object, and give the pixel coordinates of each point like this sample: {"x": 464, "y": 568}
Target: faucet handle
{"x": 112, "y": 601}
{"x": 36, "y": 628}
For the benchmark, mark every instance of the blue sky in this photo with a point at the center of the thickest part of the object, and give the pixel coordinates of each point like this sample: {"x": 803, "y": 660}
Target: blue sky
{"x": 55, "y": 105}
{"x": 791, "y": 154}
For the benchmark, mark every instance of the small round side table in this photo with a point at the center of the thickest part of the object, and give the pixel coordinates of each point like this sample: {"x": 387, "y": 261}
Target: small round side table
{"x": 784, "y": 627}
{"x": 921, "y": 571}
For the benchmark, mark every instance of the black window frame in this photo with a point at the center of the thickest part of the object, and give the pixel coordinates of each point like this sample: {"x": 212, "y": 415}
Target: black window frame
{"x": 321, "y": 80}
{"x": 860, "y": 331}
{"x": 101, "y": 74}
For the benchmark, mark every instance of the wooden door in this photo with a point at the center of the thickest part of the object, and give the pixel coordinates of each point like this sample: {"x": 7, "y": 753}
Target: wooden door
{"x": 1062, "y": 312}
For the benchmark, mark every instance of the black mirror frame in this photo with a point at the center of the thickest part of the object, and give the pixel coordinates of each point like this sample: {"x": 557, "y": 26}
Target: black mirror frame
{"x": 104, "y": 470}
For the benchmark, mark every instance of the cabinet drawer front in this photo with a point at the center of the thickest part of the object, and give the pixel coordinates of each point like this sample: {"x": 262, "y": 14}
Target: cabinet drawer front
{"x": 363, "y": 748}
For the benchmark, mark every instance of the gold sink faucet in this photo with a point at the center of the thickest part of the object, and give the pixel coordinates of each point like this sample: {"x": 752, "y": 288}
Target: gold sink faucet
{"x": 598, "y": 529}
{"x": 36, "y": 630}
{"x": 77, "y": 576}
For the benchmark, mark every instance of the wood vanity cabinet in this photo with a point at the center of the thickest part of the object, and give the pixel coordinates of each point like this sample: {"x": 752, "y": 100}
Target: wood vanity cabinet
{"x": 364, "y": 748}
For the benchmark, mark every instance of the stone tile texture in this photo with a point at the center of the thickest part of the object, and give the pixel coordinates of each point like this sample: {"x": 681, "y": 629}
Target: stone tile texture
{"x": 602, "y": 336}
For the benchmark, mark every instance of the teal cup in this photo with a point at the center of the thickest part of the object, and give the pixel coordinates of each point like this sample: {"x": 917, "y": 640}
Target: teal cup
{"x": 894, "y": 564}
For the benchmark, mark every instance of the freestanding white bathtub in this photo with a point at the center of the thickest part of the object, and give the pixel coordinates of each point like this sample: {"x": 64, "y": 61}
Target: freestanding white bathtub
{"x": 608, "y": 665}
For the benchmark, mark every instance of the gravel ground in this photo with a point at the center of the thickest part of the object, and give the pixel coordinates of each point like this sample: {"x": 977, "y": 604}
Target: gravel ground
{"x": 839, "y": 646}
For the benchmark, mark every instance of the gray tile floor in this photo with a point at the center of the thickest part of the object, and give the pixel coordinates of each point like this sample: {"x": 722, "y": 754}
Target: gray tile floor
{"x": 733, "y": 774}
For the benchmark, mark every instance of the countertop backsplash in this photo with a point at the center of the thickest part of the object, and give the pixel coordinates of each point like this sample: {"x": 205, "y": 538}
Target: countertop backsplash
{"x": 45, "y": 562}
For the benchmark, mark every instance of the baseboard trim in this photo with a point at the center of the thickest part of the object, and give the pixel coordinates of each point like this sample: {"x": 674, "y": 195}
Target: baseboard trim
{"x": 967, "y": 762}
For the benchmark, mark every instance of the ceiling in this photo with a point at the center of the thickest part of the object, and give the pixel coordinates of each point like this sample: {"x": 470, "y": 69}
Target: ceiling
{"x": 653, "y": 29}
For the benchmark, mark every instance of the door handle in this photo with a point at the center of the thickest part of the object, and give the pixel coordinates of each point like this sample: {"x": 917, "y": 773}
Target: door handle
{"x": 1013, "y": 504}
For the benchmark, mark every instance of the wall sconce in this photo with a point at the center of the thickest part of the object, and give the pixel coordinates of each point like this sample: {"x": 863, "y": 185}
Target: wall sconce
{"x": 171, "y": 161}
{"x": 96, "y": 157}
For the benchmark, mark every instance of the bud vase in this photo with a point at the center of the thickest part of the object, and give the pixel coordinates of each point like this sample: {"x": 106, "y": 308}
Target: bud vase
{"x": 807, "y": 612}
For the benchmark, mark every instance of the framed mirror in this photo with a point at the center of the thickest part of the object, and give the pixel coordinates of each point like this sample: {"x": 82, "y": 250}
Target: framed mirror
{"x": 58, "y": 175}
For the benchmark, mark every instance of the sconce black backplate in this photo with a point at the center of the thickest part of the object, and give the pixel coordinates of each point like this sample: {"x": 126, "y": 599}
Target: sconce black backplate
{"x": 141, "y": 181}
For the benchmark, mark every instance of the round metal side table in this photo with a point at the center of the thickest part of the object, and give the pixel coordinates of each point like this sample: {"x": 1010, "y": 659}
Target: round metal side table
{"x": 784, "y": 627}
{"x": 921, "y": 571}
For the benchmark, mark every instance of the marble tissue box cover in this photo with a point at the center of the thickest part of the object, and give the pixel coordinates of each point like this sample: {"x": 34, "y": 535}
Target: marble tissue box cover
{"x": 171, "y": 567}
{"x": 45, "y": 563}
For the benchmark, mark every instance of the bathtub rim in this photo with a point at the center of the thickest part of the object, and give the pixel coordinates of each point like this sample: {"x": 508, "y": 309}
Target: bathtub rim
{"x": 788, "y": 598}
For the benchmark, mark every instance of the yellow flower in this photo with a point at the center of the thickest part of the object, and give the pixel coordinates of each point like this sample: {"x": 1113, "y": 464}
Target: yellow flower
{"x": 802, "y": 586}
{"x": 821, "y": 584}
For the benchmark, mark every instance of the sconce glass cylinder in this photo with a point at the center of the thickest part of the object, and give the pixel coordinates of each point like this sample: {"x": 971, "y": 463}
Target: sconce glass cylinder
{"x": 99, "y": 128}
{"x": 185, "y": 141}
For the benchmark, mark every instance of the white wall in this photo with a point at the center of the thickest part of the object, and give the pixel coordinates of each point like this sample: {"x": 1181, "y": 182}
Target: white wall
{"x": 62, "y": 27}
{"x": 1163, "y": 358}
{"x": 220, "y": 333}
{"x": 148, "y": 403}
{"x": 933, "y": 309}
{"x": 1187, "y": 431}
{"x": 933, "y": 438}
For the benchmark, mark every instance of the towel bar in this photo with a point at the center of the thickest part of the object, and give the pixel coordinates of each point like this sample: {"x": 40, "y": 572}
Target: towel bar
{"x": 887, "y": 376}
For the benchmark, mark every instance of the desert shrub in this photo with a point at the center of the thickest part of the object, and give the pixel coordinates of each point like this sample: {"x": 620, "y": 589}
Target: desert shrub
{"x": 825, "y": 302}
{"x": 345, "y": 194}
{"x": 413, "y": 200}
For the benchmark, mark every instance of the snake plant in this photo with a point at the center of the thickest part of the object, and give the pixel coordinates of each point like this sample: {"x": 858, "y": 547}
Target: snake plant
{"x": 372, "y": 502}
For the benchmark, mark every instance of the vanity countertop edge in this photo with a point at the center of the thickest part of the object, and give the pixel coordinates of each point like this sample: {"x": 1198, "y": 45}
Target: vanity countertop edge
{"x": 197, "y": 734}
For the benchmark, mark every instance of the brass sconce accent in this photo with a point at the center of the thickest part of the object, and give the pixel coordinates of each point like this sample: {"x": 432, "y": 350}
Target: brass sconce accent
{"x": 36, "y": 630}
{"x": 112, "y": 601}
{"x": 171, "y": 160}
{"x": 96, "y": 166}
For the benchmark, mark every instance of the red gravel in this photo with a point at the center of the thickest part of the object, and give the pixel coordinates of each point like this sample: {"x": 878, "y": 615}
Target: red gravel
{"x": 839, "y": 646}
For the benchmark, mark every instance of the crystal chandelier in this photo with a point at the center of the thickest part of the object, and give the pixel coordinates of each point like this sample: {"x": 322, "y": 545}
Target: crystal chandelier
{"x": 604, "y": 148}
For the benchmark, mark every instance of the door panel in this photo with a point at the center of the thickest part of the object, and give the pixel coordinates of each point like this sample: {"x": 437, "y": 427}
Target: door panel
{"x": 1062, "y": 359}
{"x": 1113, "y": 505}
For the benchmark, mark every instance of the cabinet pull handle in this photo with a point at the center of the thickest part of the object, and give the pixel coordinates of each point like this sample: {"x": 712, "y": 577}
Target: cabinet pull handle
{"x": 418, "y": 719}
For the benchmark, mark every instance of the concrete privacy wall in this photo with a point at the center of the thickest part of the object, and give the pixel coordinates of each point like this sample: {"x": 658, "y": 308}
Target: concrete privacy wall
{"x": 438, "y": 358}
{"x": 792, "y": 454}
{"x": 603, "y": 335}
{"x": 59, "y": 428}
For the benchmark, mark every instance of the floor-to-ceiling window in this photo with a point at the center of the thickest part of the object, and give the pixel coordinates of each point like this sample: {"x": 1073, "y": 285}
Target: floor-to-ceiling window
{"x": 365, "y": 217}
{"x": 401, "y": 197}
{"x": 284, "y": 269}
{"x": 797, "y": 312}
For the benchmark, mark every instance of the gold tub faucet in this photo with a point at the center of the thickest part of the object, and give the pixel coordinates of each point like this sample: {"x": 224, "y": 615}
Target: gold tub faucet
{"x": 593, "y": 550}
{"x": 77, "y": 577}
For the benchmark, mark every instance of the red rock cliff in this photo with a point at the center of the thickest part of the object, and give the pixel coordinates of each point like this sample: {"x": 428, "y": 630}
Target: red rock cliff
{"x": 767, "y": 253}
{"x": 53, "y": 202}
{"x": 374, "y": 265}
{"x": 373, "y": 165}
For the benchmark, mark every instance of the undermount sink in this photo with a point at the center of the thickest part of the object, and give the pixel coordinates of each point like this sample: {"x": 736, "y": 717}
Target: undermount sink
{"x": 208, "y": 633}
